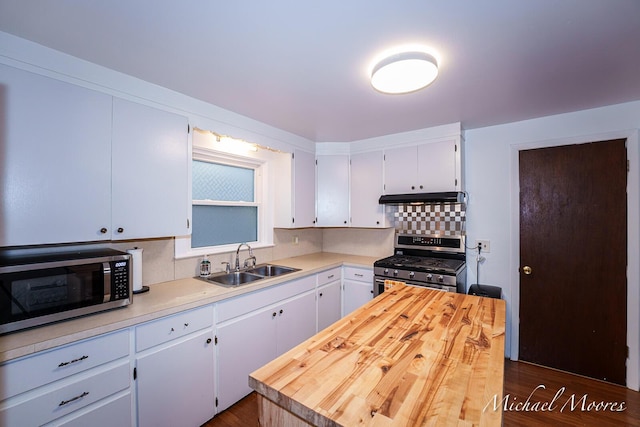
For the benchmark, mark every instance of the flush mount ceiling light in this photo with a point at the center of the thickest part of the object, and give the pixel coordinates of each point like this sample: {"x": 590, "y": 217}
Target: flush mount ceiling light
{"x": 404, "y": 72}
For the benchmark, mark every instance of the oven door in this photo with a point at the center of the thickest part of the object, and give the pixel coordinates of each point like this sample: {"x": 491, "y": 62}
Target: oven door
{"x": 379, "y": 287}
{"x": 34, "y": 297}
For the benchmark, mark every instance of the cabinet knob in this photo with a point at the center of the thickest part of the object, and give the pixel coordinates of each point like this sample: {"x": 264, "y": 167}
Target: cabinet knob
{"x": 421, "y": 187}
{"x": 120, "y": 230}
{"x": 413, "y": 187}
{"x": 345, "y": 222}
{"x": 103, "y": 230}
{"x": 208, "y": 340}
{"x": 320, "y": 293}
{"x": 274, "y": 314}
{"x": 281, "y": 311}
{"x": 186, "y": 325}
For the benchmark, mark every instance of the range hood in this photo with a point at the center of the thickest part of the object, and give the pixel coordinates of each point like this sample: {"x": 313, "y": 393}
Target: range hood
{"x": 422, "y": 198}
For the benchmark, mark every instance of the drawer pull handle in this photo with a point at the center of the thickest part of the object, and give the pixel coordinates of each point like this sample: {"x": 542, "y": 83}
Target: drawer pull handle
{"x": 172, "y": 330}
{"x": 330, "y": 277}
{"x": 358, "y": 275}
{"x": 186, "y": 325}
{"x": 64, "y": 402}
{"x": 79, "y": 359}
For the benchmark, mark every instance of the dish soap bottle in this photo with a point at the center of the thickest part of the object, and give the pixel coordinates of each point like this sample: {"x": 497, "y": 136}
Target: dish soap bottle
{"x": 205, "y": 267}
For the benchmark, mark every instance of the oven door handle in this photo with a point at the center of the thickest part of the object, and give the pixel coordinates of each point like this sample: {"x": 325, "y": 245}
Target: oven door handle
{"x": 106, "y": 273}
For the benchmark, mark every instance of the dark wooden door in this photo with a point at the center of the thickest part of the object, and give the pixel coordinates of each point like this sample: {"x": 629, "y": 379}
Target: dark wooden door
{"x": 573, "y": 256}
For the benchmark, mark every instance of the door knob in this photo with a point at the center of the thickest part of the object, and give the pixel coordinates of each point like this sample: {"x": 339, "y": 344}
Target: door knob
{"x": 527, "y": 270}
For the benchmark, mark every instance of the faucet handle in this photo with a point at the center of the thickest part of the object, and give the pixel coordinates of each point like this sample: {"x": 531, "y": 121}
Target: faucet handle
{"x": 227, "y": 268}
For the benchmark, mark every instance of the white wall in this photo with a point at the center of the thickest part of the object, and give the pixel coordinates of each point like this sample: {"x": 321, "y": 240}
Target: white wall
{"x": 492, "y": 213}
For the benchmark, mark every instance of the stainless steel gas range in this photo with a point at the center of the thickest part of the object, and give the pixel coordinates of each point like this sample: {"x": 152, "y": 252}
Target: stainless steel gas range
{"x": 423, "y": 260}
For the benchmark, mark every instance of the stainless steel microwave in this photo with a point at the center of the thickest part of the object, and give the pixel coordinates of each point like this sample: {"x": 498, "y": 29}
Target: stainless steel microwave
{"x": 41, "y": 288}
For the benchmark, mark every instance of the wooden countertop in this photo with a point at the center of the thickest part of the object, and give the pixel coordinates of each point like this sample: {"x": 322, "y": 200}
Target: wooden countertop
{"x": 164, "y": 299}
{"x": 411, "y": 356}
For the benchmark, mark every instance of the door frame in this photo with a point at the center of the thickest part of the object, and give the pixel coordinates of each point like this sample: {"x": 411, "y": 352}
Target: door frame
{"x": 633, "y": 241}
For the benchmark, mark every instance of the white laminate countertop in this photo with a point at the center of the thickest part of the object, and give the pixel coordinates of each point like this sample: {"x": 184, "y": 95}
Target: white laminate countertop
{"x": 163, "y": 299}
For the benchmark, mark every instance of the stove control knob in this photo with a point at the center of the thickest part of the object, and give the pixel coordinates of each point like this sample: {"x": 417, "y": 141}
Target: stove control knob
{"x": 395, "y": 272}
{"x": 429, "y": 276}
{"x": 440, "y": 279}
{"x": 411, "y": 274}
{"x": 386, "y": 271}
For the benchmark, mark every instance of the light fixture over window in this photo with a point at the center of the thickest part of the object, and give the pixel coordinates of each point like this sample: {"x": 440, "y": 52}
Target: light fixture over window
{"x": 404, "y": 72}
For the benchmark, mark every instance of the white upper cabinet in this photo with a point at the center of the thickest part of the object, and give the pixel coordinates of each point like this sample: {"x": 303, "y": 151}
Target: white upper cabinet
{"x": 430, "y": 167}
{"x": 332, "y": 190}
{"x": 295, "y": 190}
{"x": 79, "y": 165}
{"x": 366, "y": 188}
{"x": 304, "y": 195}
{"x": 56, "y": 160}
{"x": 150, "y": 172}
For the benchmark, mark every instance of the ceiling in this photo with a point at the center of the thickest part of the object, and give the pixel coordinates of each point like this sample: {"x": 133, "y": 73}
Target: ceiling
{"x": 302, "y": 66}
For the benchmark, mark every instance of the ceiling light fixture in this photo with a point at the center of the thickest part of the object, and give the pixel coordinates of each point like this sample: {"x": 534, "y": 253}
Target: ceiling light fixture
{"x": 404, "y": 72}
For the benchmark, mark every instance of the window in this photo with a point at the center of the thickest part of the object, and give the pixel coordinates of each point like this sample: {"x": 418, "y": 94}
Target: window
{"x": 225, "y": 210}
{"x": 228, "y": 193}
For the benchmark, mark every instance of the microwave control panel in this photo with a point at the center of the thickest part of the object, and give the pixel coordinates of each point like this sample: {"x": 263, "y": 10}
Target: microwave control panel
{"x": 120, "y": 280}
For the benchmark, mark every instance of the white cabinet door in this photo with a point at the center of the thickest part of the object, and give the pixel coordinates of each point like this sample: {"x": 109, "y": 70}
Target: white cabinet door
{"x": 244, "y": 345}
{"x": 56, "y": 160}
{"x": 150, "y": 172}
{"x": 356, "y": 294}
{"x": 304, "y": 194}
{"x": 430, "y": 167}
{"x": 329, "y": 304}
{"x": 400, "y": 170}
{"x": 437, "y": 166}
{"x": 296, "y": 322}
{"x": 333, "y": 191}
{"x": 366, "y": 188}
{"x": 175, "y": 384}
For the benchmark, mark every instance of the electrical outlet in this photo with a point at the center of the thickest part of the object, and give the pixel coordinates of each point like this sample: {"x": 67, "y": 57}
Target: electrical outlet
{"x": 485, "y": 245}
{"x": 295, "y": 240}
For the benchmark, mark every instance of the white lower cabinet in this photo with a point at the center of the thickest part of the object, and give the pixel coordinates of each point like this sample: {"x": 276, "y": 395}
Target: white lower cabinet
{"x": 255, "y": 328}
{"x": 357, "y": 288}
{"x": 329, "y": 304}
{"x": 329, "y": 297}
{"x": 175, "y": 376}
{"x": 54, "y": 387}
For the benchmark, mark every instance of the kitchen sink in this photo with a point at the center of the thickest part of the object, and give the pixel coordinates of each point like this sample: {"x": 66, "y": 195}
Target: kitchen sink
{"x": 271, "y": 270}
{"x": 233, "y": 279}
{"x": 259, "y": 272}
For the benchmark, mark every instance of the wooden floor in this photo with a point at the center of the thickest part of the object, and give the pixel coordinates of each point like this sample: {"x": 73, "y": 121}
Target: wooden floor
{"x": 554, "y": 399}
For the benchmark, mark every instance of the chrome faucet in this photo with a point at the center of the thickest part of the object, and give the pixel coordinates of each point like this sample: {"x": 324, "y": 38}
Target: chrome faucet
{"x": 246, "y": 261}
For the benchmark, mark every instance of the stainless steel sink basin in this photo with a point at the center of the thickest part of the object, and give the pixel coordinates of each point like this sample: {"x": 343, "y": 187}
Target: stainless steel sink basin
{"x": 234, "y": 279}
{"x": 271, "y": 270}
{"x": 259, "y": 272}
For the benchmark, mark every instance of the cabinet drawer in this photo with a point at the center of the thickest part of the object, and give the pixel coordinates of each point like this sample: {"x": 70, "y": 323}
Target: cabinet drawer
{"x": 358, "y": 274}
{"x": 70, "y": 396}
{"x": 169, "y": 328}
{"x": 114, "y": 411}
{"x": 243, "y": 304}
{"x": 329, "y": 276}
{"x": 45, "y": 367}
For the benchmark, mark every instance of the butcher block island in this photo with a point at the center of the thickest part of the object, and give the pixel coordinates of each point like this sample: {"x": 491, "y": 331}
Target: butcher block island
{"x": 412, "y": 356}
